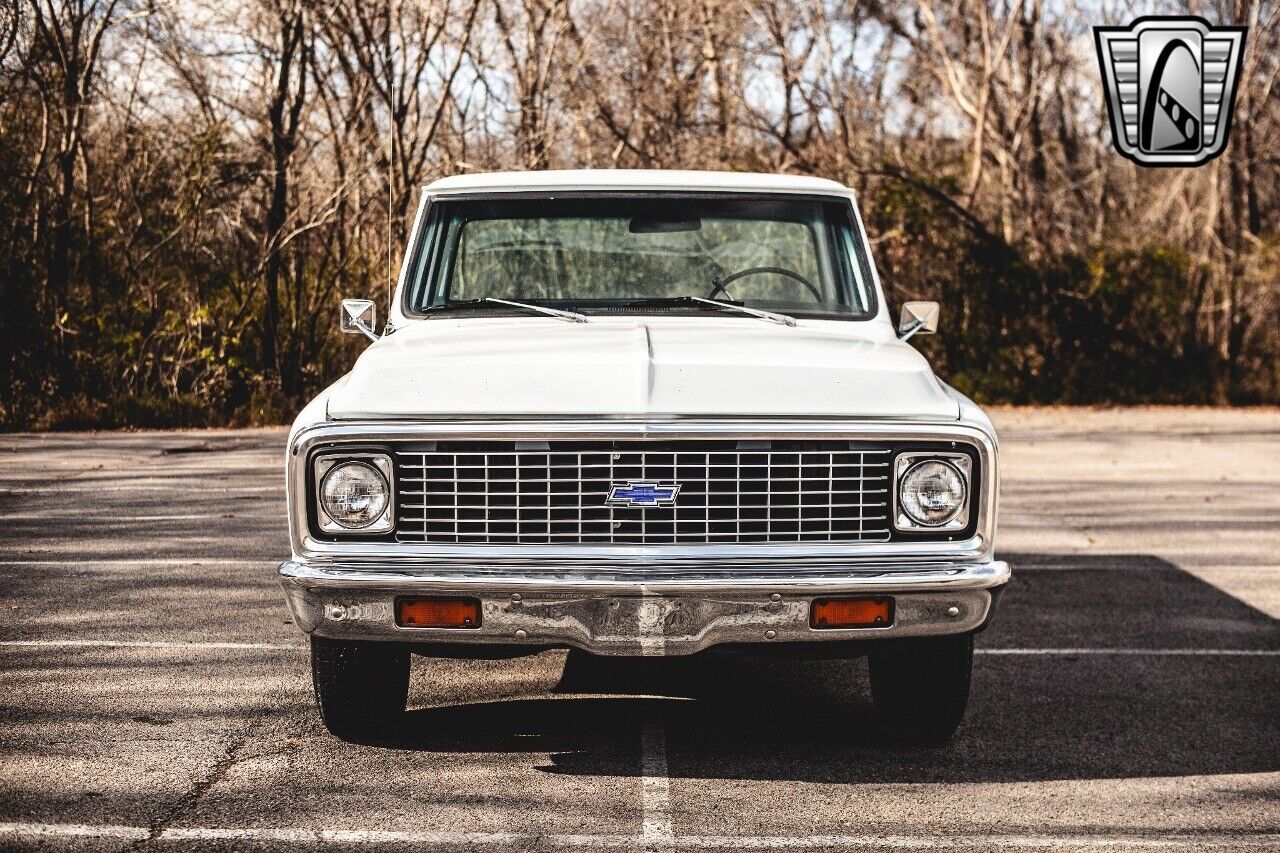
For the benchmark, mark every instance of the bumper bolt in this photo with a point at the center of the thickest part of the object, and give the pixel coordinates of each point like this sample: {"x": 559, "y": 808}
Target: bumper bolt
{"x": 521, "y": 634}
{"x": 769, "y": 635}
{"x": 953, "y": 611}
{"x": 515, "y": 596}
{"x": 775, "y": 597}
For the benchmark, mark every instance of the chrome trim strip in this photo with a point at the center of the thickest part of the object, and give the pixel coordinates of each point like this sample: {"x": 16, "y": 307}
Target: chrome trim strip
{"x": 604, "y": 581}
{"x": 977, "y": 548}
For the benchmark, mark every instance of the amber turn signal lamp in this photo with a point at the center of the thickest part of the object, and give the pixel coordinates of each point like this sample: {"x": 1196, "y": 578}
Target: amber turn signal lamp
{"x": 871, "y": 612}
{"x": 438, "y": 612}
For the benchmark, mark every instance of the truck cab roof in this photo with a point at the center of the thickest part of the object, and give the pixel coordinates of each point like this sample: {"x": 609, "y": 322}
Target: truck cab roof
{"x": 633, "y": 180}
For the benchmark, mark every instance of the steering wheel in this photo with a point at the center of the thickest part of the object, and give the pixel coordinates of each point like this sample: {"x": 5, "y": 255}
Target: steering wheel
{"x": 719, "y": 285}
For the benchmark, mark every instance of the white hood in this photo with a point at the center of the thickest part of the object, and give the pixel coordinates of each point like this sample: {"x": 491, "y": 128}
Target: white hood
{"x": 637, "y": 367}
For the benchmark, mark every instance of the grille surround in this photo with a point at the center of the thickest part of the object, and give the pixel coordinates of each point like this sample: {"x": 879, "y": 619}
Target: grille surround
{"x": 556, "y": 492}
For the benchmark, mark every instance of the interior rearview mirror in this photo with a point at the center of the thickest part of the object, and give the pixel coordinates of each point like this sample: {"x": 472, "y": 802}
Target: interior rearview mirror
{"x": 918, "y": 318}
{"x": 359, "y": 316}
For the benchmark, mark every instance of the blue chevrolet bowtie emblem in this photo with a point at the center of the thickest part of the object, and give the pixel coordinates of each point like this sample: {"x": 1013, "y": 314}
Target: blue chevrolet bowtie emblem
{"x": 643, "y": 494}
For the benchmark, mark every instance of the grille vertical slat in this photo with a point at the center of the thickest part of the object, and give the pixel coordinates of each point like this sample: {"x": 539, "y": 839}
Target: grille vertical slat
{"x": 765, "y": 492}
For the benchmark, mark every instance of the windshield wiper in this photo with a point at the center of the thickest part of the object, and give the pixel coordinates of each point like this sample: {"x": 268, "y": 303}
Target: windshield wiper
{"x": 715, "y": 303}
{"x": 571, "y": 316}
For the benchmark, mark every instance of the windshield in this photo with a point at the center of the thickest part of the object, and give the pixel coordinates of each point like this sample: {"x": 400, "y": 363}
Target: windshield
{"x": 613, "y": 255}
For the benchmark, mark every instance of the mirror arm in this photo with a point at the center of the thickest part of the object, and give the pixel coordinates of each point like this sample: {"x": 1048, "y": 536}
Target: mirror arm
{"x": 365, "y": 330}
{"x": 909, "y": 333}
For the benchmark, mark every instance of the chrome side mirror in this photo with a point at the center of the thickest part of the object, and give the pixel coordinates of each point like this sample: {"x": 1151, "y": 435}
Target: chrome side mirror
{"x": 359, "y": 316}
{"x": 918, "y": 318}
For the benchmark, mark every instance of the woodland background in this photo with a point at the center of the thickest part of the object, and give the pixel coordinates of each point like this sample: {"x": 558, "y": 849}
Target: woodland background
{"x": 187, "y": 188}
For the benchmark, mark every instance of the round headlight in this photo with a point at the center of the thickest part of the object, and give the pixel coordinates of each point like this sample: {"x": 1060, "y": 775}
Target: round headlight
{"x": 932, "y": 493}
{"x": 354, "y": 494}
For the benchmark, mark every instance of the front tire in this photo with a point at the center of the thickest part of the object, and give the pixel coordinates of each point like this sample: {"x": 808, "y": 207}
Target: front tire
{"x": 920, "y": 687}
{"x": 361, "y": 687}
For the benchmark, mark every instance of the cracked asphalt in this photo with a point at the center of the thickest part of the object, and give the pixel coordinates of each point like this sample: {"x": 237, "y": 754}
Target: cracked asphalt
{"x": 154, "y": 695}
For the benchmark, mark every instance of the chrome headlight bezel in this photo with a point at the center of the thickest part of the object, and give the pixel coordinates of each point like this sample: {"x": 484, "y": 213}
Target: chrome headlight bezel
{"x": 961, "y": 463}
{"x": 381, "y": 463}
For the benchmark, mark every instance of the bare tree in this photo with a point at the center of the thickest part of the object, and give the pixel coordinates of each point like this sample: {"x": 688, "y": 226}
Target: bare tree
{"x": 206, "y": 202}
{"x": 70, "y": 34}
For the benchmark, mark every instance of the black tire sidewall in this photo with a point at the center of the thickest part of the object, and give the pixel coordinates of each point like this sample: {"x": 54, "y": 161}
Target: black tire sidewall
{"x": 920, "y": 687}
{"x": 361, "y": 687}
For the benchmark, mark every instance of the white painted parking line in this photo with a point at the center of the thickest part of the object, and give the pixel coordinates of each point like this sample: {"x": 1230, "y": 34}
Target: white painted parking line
{"x": 195, "y": 645}
{"x": 130, "y": 562}
{"x": 89, "y": 518}
{"x": 655, "y": 788}
{"x": 344, "y": 836}
{"x": 33, "y": 831}
{"x": 1073, "y": 842}
{"x": 483, "y": 840}
{"x": 184, "y": 488}
{"x": 1187, "y": 563}
{"x": 213, "y": 645}
{"x": 1264, "y": 653}
{"x": 1121, "y": 566}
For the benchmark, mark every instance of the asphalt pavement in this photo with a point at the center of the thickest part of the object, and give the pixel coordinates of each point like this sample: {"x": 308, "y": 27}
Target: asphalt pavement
{"x": 154, "y": 695}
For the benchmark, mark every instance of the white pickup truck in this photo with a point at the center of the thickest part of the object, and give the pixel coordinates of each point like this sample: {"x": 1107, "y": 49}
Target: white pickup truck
{"x": 641, "y": 413}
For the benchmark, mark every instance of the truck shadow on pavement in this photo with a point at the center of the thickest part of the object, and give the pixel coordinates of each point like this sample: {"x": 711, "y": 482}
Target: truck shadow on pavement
{"x": 1034, "y": 714}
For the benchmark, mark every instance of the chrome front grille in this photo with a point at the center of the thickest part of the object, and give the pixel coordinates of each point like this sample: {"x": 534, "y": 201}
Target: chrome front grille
{"x": 507, "y": 492}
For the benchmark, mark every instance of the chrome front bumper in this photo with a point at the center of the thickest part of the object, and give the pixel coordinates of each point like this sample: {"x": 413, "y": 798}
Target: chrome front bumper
{"x": 618, "y": 614}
